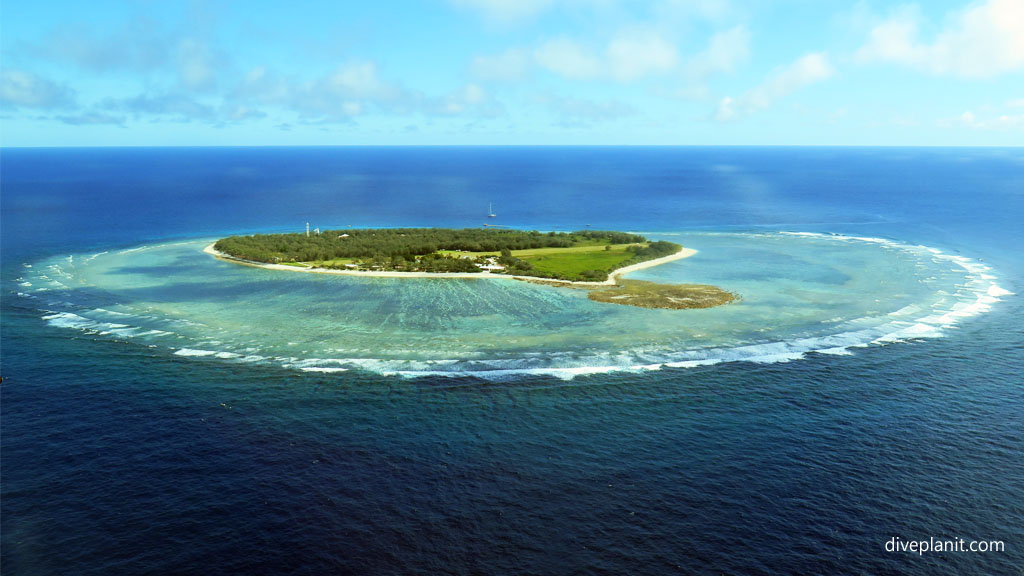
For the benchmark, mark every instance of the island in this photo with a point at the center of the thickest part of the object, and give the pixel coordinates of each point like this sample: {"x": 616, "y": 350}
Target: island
{"x": 591, "y": 259}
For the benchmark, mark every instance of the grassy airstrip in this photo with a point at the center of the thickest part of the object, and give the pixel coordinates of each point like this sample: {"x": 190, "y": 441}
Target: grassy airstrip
{"x": 564, "y": 262}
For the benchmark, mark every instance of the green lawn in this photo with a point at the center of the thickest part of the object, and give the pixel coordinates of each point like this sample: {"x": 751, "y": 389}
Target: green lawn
{"x": 565, "y": 263}
{"x": 570, "y": 262}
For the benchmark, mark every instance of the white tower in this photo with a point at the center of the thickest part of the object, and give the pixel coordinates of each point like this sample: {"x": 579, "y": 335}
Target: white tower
{"x": 307, "y": 229}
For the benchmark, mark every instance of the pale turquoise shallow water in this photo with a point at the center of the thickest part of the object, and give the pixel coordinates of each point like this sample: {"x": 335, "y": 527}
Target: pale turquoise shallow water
{"x": 800, "y": 293}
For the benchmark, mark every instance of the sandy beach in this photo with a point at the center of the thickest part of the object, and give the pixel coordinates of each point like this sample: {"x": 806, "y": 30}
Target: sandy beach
{"x": 683, "y": 253}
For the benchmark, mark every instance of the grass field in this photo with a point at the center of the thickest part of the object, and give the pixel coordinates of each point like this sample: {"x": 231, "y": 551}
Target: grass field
{"x": 569, "y": 262}
{"x": 565, "y": 263}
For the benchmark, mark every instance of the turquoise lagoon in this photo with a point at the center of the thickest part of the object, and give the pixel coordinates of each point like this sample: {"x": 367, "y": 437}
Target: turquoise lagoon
{"x": 799, "y": 293}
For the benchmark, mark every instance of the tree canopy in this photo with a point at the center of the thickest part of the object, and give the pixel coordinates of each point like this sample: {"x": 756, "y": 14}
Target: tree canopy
{"x": 420, "y": 249}
{"x": 405, "y": 242}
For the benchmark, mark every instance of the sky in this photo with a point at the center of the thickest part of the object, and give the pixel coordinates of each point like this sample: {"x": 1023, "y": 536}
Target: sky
{"x": 511, "y": 72}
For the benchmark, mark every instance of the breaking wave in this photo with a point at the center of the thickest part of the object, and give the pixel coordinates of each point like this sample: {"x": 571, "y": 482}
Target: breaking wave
{"x": 55, "y": 287}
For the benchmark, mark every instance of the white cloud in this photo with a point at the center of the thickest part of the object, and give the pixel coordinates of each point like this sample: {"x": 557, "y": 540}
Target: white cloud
{"x": 570, "y": 108}
{"x": 636, "y": 55}
{"x": 143, "y": 48}
{"x": 197, "y": 68}
{"x": 92, "y": 119}
{"x": 19, "y": 88}
{"x": 471, "y": 98}
{"x": 726, "y": 109}
{"x": 1016, "y": 103}
{"x": 508, "y": 66}
{"x": 351, "y": 89}
{"x": 264, "y": 86}
{"x": 806, "y": 70}
{"x": 138, "y": 45}
{"x": 894, "y": 39}
{"x": 241, "y": 113}
{"x": 630, "y": 55}
{"x": 356, "y": 89}
{"x": 724, "y": 52}
{"x": 567, "y": 58}
{"x": 627, "y": 57}
{"x": 151, "y": 51}
{"x": 175, "y": 107}
{"x": 971, "y": 120}
{"x": 358, "y": 80}
{"x": 984, "y": 40}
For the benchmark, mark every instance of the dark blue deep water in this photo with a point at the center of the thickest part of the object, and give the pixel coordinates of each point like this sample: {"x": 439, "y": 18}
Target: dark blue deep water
{"x": 118, "y": 458}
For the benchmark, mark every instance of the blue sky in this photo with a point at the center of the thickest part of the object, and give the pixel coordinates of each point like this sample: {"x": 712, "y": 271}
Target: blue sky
{"x": 792, "y": 72}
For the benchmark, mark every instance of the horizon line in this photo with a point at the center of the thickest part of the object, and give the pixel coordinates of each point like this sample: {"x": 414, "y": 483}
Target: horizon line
{"x": 113, "y": 146}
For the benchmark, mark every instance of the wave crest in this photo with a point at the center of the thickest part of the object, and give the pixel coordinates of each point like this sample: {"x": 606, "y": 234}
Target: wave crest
{"x": 975, "y": 292}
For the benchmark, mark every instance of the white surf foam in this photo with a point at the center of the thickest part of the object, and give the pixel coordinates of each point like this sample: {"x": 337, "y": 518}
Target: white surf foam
{"x": 323, "y": 369}
{"x": 195, "y": 353}
{"x": 139, "y": 249}
{"x": 72, "y": 320}
{"x": 974, "y": 295}
{"x": 996, "y": 291}
{"x": 977, "y": 295}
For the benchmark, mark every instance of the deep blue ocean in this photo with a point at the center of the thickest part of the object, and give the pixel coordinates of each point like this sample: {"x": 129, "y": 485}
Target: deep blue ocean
{"x": 118, "y": 456}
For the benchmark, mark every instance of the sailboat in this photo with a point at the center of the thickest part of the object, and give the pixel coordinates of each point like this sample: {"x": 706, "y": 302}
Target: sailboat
{"x": 490, "y": 211}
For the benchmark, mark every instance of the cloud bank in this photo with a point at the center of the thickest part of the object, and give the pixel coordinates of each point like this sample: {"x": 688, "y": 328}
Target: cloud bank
{"x": 805, "y": 71}
{"x": 984, "y": 40}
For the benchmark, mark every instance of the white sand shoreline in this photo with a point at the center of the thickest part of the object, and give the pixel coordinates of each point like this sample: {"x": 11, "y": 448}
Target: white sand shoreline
{"x": 683, "y": 253}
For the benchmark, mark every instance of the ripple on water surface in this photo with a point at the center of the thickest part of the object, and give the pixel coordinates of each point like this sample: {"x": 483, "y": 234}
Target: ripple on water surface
{"x": 801, "y": 293}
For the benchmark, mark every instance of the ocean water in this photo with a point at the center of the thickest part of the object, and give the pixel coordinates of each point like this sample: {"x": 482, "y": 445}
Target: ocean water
{"x": 163, "y": 411}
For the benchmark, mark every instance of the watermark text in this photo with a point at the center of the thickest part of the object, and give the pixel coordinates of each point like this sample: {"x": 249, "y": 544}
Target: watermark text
{"x": 931, "y": 545}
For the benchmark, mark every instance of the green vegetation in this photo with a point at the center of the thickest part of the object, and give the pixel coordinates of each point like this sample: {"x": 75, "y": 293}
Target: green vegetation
{"x": 581, "y": 246}
{"x": 591, "y": 265}
{"x": 577, "y": 256}
{"x": 578, "y": 264}
{"x": 405, "y": 242}
{"x": 587, "y": 255}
